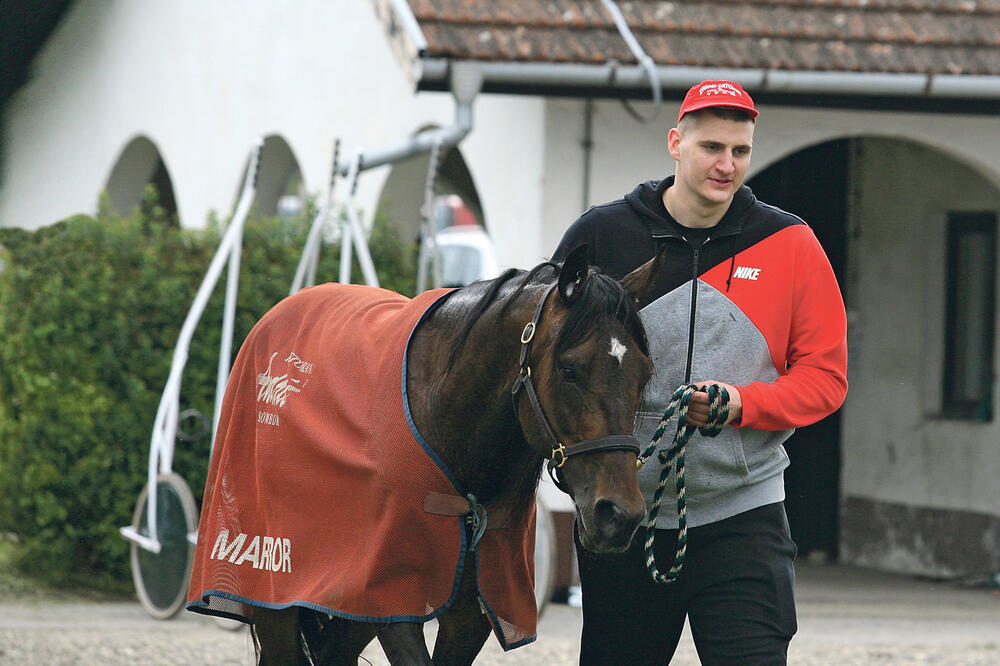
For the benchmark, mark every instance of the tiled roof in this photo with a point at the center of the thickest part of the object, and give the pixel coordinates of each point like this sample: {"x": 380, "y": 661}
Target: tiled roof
{"x": 869, "y": 36}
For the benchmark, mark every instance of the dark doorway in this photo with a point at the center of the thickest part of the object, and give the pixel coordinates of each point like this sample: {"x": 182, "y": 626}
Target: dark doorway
{"x": 812, "y": 184}
{"x": 164, "y": 188}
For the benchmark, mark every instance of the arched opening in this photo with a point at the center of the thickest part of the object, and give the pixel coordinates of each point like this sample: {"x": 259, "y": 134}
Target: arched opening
{"x": 279, "y": 180}
{"x": 813, "y": 184}
{"x": 139, "y": 165}
{"x": 911, "y": 232}
{"x": 462, "y": 251}
{"x": 403, "y": 192}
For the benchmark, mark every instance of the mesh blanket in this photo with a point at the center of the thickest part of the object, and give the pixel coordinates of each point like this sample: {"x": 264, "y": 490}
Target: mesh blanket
{"x": 317, "y": 487}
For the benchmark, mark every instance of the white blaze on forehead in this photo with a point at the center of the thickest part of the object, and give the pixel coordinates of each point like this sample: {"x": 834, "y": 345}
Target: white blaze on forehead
{"x": 617, "y": 349}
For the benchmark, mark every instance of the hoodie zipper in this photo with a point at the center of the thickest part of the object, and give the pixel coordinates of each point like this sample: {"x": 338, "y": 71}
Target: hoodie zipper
{"x": 694, "y": 309}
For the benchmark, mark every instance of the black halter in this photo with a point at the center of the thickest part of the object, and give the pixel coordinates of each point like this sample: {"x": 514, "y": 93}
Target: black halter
{"x": 559, "y": 452}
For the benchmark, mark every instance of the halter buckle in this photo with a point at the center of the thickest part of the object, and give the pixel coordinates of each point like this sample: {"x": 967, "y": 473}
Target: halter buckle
{"x": 561, "y": 452}
{"x": 528, "y": 333}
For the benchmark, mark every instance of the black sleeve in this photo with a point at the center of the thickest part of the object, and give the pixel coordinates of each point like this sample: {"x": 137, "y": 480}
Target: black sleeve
{"x": 617, "y": 240}
{"x": 579, "y": 232}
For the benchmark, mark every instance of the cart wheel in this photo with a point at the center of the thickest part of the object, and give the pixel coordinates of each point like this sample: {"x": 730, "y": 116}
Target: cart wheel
{"x": 545, "y": 555}
{"x": 161, "y": 579}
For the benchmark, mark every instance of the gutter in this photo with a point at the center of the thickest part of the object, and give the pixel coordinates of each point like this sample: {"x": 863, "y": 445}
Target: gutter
{"x": 612, "y": 79}
{"x": 618, "y": 80}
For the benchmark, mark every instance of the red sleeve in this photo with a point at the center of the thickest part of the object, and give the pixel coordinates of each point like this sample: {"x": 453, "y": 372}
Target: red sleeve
{"x": 813, "y": 382}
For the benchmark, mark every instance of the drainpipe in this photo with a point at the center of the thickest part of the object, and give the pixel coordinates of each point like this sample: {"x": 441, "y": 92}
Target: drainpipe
{"x": 465, "y": 81}
{"x": 588, "y": 148}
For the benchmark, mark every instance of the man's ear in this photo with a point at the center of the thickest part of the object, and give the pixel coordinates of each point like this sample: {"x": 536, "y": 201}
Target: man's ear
{"x": 638, "y": 282}
{"x": 573, "y": 273}
{"x": 673, "y": 143}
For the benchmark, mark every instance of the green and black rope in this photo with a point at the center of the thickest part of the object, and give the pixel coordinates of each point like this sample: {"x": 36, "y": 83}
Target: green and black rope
{"x": 674, "y": 458}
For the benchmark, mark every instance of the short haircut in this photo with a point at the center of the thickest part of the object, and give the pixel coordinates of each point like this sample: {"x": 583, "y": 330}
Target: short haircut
{"x": 691, "y": 118}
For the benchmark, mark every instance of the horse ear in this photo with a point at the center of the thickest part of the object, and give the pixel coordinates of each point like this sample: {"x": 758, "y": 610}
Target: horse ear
{"x": 638, "y": 282}
{"x": 573, "y": 273}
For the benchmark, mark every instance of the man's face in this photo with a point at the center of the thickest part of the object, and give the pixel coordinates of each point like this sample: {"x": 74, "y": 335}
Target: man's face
{"x": 712, "y": 155}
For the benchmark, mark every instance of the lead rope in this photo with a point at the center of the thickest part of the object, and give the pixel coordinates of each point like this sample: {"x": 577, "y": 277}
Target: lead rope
{"x": 674, "y": 458}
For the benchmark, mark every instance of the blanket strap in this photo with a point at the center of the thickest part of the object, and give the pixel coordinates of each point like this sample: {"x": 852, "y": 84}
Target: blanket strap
{"x": 441, "y": 504}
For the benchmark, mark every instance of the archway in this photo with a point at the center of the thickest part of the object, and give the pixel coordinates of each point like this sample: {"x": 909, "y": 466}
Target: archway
{"x": 139, "y": 165}
{"x": 813, "y": 184}
{"x": 279, "y": 180}
{"x": 864, "y": 484}
{"x": 403, "y": 192}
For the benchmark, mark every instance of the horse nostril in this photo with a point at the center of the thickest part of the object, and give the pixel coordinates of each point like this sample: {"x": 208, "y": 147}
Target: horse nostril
{"x": 610, "y": 516}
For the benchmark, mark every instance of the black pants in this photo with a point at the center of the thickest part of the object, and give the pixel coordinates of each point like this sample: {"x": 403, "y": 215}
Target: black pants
{"x": 736, "y": 588}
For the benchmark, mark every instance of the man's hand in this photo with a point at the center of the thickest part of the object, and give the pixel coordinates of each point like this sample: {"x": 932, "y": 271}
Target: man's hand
{"x": 698, "y": 406}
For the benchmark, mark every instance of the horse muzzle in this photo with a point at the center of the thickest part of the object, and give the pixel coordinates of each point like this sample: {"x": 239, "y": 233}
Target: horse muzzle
{"x": 611, "y": 527}
{"x": 605, "y": 489}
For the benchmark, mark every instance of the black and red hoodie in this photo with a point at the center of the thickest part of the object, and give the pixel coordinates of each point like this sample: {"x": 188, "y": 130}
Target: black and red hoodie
{"x": 752, "y": 302}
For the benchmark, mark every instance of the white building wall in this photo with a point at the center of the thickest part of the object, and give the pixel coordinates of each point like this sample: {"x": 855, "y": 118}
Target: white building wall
{"x": 896, "y": 446}
{"x": 627, "y": 152}
{"x": 205, "y": 81}
{"x": 504, "y": 153}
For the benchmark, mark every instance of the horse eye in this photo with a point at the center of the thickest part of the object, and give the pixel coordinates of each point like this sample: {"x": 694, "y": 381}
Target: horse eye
{"x": 567, "y": 374}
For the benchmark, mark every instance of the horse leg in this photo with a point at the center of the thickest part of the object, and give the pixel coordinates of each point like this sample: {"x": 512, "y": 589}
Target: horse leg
{"x": 461, "y": 635}
{"x": 464, "y": 627}
{"x": 403, "y": 643}
{"x": 276, "y": 637}
{"x": 342, "y": 642}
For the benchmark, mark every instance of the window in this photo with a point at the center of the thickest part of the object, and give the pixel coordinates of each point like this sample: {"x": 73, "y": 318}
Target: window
{"x": 970, "y": 313}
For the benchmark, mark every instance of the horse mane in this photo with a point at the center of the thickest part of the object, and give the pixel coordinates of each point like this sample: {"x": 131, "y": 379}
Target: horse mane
{"x": 601, "y": 296}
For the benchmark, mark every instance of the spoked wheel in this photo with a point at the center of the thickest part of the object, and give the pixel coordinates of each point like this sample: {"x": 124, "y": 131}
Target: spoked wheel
{"x": 545, "y": 555}
{"x": 161, "y": 579}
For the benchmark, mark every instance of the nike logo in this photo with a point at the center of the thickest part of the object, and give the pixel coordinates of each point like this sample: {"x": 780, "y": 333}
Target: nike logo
{"x": 746, "y": 273}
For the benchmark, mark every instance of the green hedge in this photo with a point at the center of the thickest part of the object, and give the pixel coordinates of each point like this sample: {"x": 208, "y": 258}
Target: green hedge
{"x": 90, "y": 310}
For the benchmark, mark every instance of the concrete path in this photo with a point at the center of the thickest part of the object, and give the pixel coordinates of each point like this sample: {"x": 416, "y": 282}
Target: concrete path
{"x": 846, "y": 616}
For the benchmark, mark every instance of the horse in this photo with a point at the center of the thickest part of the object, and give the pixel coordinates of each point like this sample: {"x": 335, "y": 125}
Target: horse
{"x": 497, "y": 377}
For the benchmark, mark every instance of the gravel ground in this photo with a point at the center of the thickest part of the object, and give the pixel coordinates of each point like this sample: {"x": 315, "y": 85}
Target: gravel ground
{"x": 846, "y": 616}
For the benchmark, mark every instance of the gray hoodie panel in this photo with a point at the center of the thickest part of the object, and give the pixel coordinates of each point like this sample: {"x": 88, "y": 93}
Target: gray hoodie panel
{"x": 741, "y": 468}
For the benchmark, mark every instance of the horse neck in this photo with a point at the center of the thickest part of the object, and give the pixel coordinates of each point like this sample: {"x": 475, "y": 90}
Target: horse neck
{"x": 466, "y": 413}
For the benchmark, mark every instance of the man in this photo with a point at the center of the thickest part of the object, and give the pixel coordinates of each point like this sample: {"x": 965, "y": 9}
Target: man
{"x": 747, "y": 300}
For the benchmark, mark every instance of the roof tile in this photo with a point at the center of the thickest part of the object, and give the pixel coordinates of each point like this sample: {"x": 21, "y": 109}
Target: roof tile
{"x": 919, "y": 36}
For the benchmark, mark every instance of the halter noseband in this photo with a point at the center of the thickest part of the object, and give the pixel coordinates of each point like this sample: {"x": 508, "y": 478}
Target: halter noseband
{"x": 559, "y": 452}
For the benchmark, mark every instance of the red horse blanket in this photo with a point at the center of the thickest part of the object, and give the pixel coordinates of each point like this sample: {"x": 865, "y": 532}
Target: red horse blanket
{"x": 317, "y": 487}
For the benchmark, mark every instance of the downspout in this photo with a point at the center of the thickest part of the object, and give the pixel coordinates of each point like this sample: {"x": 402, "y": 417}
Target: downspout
{"x": 465, "y": 82}
{"x": 588, "y": 149}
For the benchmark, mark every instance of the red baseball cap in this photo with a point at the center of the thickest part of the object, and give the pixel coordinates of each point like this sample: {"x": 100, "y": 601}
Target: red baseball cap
{"x": 717, "y": 93}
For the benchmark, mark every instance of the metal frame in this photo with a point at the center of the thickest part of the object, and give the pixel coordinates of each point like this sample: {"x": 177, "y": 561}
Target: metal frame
{"x": 466, "y": 82}
{"x": 161, "y": 452}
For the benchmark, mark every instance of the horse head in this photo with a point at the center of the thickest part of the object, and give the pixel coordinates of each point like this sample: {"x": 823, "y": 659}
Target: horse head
{"x": 584, "y": 364}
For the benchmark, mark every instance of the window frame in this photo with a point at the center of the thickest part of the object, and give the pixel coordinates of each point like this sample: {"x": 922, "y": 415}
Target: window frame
{"x": 960, "y": 226}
